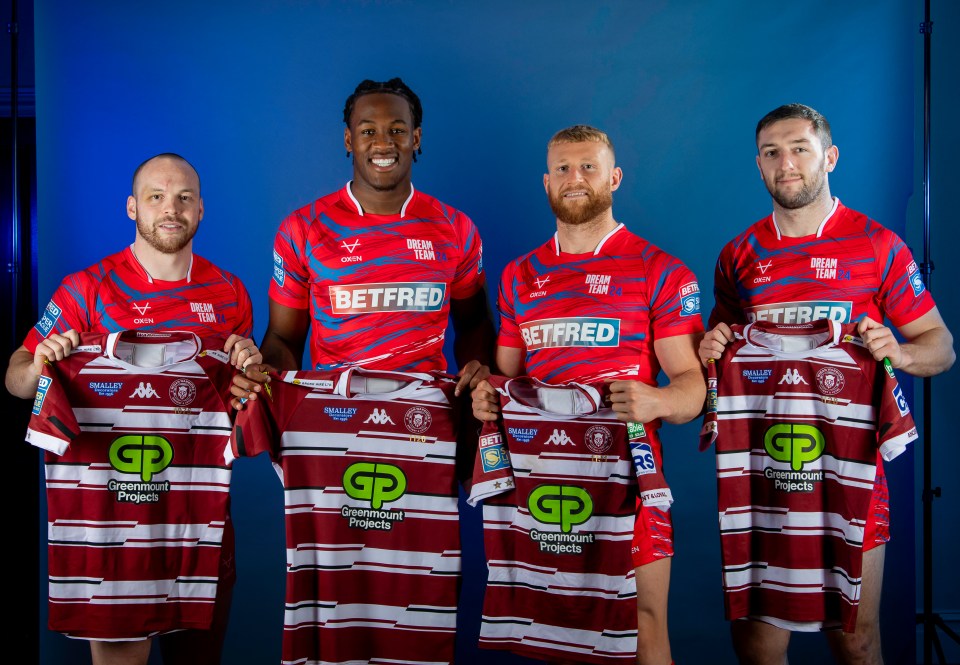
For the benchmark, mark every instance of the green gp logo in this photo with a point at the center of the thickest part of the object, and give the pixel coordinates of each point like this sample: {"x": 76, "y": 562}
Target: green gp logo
{"x": 145, "y": 455}
{"x": 376, "y": 483}
{"x": 560, "y": 504}
{"x": 794, "y": 443}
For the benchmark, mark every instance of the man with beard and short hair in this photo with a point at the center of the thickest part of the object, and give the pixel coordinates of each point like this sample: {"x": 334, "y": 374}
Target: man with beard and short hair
{"x": 814, "y": 258}
{"x": 594, "y": 269}
{"x": 150, "y": 285}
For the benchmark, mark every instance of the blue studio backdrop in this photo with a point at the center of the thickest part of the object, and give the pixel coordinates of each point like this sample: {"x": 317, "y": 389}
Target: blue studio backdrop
{"x": 252, "y": 94}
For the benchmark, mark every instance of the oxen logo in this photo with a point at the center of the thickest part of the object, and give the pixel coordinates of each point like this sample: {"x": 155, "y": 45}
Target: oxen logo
{"x": 145, "y": 455}
{"x": 794, "y": 443}
{"x": 565, "y": 505}
{"x": 376, "y": 483}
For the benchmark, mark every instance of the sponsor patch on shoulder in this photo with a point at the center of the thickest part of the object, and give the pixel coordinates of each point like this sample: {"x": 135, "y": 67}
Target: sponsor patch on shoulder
{"x": 689, "y": 299}
{"x": 42, "y": 388}
{"x": 279, "y": 274}
{"x": 916, "y": 279}
{"x": 493, "y": 453}
{"x": 49, "y": 319}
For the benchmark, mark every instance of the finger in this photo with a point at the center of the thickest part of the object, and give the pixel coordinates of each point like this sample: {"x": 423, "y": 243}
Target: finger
{"x": 231, "y": 343}
{"x": 74, "y": 338}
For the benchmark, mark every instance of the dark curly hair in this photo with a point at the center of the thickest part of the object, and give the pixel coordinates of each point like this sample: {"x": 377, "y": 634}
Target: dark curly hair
{"x": 394, "y": 86}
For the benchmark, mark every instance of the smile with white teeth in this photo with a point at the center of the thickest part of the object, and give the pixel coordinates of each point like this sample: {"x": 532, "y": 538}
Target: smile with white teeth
{"x": 384, "y": 162}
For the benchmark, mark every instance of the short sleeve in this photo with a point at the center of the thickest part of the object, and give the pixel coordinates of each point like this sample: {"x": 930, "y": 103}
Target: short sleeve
{"x": 469, "y": 277}
{"x": 290, "y": 285}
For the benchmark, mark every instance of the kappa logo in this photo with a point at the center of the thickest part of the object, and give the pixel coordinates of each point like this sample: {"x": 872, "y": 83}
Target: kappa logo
{"x": 559, "y": 438}
{"x": 792, "y": 377}
{"x": 379, "y": 417}
{"x": 145, "y": 390}
{"x": 142, "y": 309}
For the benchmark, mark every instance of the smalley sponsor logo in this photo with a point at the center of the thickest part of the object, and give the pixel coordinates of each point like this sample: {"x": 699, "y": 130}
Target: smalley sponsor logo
{"x": 351, "y": 248}
{"x": 757, "y": 375}
{"x": 106, "y": 388}
{"x": 522, "y": 434}
{"x": 387, "y": 297}
{"x": 340, "y": 414}
{"x": 801, "y": 311}
{"x": 571, "y": 331}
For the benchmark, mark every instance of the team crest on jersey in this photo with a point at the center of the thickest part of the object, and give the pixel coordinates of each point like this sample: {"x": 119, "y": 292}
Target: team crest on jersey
{"x": 49, "y": 319}
{"x": 522, "y": 434}
{"x": 379, "y": 417}
{"x": 279, "y": 274}
{"x": 643, "y": 460}
{"x": 757, "y": 375}
{"x": 42, "y": 388}
{"x": 493, "y": 453}
{"x": 106, "y": 388}
{"x": 830, "y": 380}
{"x": 690, "y": 299}
{"x": 182, "y": 392}
{"x": 902, "y": 405}
{"x": 598, "y": 439}
{"x": 417, "y": 420}
{"x": 339, "y": 413}
{"x": 916, "y": 279}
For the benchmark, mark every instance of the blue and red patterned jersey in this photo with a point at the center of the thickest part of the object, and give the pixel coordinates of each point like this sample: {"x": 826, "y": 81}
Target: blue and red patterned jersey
{"x": 378, "y": 287}
{"x": 118, "y": 294}
{"x": 593, "y": 317}
{"x": 852, "y": 267}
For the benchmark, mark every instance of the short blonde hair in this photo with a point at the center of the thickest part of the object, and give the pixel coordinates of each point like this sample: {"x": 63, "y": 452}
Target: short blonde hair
{"x": 580, "y": 134}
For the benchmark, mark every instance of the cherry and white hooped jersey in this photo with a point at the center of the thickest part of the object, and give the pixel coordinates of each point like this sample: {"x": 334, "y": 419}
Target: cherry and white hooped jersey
{"x": 560, "y": 478}
{"x": 134, "y": 425}
{"x": 798, "y": 414}
{"x": 118, "y": 294}
{"x": 368, "y": 464}
{"x": 851, "y": 268}
{"x": 594, "y": 317}
{"x": 378, "y": 287}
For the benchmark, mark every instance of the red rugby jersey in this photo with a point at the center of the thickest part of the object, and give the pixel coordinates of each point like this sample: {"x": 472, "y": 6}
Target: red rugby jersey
{"x": 852, "y": 267}
{"x": 594, "y": 317}
{"x": 560, "y": 478}
{"x": 378, "y": 287}
{"x": 134, "y": 425}
{"x": 798, "y": 413}
{"x": 118, "y": 294}
{"x": 367, "y": 461}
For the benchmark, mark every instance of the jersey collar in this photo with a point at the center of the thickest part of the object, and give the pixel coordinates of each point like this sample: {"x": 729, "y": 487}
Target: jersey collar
{"x": 823, "y": 224}
{"x": 356, "y": 203}
{"x": 596, "y": 251}
{"x": 145, "y": 275}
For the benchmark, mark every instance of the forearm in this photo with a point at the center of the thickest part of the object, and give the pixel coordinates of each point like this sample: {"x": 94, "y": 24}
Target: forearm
{"x": 682, "y": 399}
{"x": 928, "y": 354}
{"x": 280, "y": 353}
{"x": 474, "y": 343}
{"x": 22, "y": 377}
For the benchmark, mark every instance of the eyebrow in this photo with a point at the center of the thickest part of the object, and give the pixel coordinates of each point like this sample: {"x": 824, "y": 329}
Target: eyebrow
{"x": 794, "y": 141}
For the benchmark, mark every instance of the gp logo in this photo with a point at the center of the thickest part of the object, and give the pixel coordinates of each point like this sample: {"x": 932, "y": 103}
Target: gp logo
{"x": 565, "y": 505}
{"x": 376, "y": 483}
{"x": 145, "y": 455}
{"x": 794, "y": 443}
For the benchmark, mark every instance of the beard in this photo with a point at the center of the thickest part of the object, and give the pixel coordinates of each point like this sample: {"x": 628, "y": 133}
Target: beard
{"x": 810, "y": 191}
{"x": 580, "y": 213}
{"x": 166, "y": 244}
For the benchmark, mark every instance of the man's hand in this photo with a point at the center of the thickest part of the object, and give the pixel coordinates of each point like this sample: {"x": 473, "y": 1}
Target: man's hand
{"x": 714, "y": 342}
{"x": 23, "y": 372}
{"x": 243, "y": 351}
{"x": 246, "y": 385}
{"x": 635, "y": 401}
{"x": 880, "y": 341}
{"x": 486, "y": 402}
{"x": 55, "y": 347}
{"x": 470, "y": 376}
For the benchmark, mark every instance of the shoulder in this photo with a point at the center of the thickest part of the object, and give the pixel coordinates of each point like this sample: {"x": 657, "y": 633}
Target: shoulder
{"x": 205, "y": 271}
{"x": 310, "y": 213}
{"x": 429, "y": 207}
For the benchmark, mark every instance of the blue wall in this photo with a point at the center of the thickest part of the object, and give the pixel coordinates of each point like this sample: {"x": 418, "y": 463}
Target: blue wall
{"x": 253, "y": 97}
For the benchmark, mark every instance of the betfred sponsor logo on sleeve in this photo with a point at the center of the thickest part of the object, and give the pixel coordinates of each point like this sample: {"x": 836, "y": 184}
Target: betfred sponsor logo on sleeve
{"x": 689, "y": 299}
{"x": 387, "y": 297}
{"x": 570, "y": 331}
{"x": 49, "y": 319}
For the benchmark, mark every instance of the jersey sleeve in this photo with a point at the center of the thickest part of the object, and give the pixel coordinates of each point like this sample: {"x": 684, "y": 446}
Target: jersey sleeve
{"x": 53, "y": 425}
{"x": 726, "y": 308}
{"x": 256, "y": 429}
{"x": 903, "y": 296}
{"x": 69, "y": 309}
{"x": 509, "y": 334}
{"x": 895, "y": 425}
{"x": 469, "y": 277}
{"x": 492, "y": 472}
{"x": 674, "y": 297}
{"x": 243, "y": 326}
{"x": 290, "y": 285}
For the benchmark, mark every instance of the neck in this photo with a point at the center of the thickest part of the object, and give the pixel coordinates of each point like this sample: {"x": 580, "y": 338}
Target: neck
{"x": 380, "y": 201}
{"x": 166, "y": 267}
{"x": 801, "y": 222}
{"x": 584, "y": 238}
